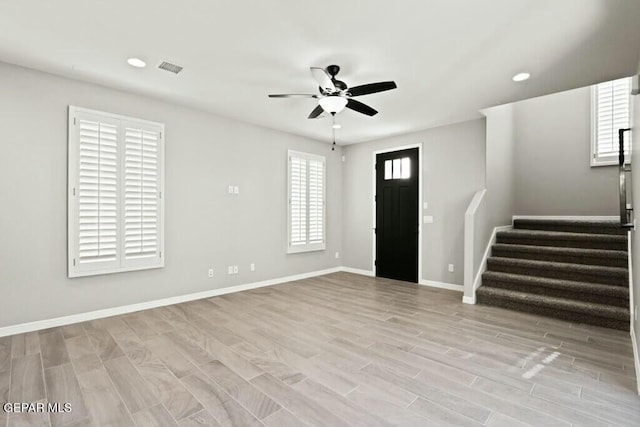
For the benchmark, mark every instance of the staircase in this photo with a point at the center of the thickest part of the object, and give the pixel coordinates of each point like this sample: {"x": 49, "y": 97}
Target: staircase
{"x": 571, "y": 270}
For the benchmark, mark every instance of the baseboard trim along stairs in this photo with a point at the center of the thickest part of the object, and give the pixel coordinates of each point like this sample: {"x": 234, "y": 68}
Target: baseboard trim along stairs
{"x": 571, "y": 269}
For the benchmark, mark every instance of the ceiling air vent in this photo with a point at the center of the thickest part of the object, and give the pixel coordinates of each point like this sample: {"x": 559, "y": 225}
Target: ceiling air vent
{"x": 168, "y": 66}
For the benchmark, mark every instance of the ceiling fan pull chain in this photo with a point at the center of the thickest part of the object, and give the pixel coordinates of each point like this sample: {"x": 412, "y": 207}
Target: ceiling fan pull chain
{"x": 333, "y": 128}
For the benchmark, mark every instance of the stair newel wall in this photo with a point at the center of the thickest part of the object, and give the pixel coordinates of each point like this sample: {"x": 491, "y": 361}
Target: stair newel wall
{"x": 491, "y": 207}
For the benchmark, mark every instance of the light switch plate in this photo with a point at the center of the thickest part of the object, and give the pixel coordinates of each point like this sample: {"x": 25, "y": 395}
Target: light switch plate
{"x": 425, "y": 205}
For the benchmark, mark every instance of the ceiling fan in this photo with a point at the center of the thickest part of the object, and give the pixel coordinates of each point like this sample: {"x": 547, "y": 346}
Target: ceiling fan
{"x": 335, "y": 95}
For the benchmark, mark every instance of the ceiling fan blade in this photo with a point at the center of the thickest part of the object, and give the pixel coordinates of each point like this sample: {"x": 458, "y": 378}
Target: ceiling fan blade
{"x": 323, "y": 78}
{"x": 316, "y": 112}
{"x": 361, "y": 108}
{"x": 292, "y": 95}
{"x": 371, "y": 88}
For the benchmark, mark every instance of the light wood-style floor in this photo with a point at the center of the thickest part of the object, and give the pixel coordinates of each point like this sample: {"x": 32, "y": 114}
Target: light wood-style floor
{"x": 338, "y": 350}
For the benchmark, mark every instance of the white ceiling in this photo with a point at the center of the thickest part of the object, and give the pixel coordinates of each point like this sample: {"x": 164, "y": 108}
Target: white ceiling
{"x": 450, "y": 58}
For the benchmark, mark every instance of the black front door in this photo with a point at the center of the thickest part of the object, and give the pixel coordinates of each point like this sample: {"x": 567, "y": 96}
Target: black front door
{"x": 397, "y": 215}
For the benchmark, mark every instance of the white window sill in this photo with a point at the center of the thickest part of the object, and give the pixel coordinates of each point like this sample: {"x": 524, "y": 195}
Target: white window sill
{"x": 607, "y": 163}
{"x": 84, "y": 273}
{"x": 306, "y": 248}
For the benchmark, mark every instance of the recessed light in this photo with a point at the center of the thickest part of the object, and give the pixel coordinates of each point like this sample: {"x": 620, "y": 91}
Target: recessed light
{"x": 136, "y": 62}
{"x": 520, "y": 77}
{"x": 336, "y": 126}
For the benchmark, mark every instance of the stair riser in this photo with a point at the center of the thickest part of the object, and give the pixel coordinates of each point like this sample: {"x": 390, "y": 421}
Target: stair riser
{"x": 555, "y": 313}
{"x": 585, "y": 244}
{"x": 558, "y": 274}
{"x": 575, "y": 295}
{"x": 569, "y": 229}
{"x": 603, "y": 261}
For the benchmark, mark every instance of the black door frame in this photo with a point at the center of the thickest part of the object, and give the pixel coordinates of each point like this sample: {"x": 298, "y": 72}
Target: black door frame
{"x": 373, "y": 204}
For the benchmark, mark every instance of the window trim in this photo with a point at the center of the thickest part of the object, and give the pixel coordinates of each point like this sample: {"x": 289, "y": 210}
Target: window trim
{"x": 72, "y": 174}
{"x": 307, "y": 247}
{"x": 596, "y": 161}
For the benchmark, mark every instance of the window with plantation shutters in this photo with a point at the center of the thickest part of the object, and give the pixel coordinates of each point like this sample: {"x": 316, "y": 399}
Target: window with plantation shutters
{"x": 115, "y": 193}
{"x": 611, "y": 110}
{"x": 306, "y": 202}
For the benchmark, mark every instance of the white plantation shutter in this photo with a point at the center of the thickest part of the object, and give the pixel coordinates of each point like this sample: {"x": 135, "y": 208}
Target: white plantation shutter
{"x": 97, "y": 192}
{"x": 115, "y": 188}
{"x": 298, "y": 201}
{"x": 316, "y": 201}
{"x": 141, "y": 192}
{"x": 306, "y": 198}
{"x": 611, "y": 111}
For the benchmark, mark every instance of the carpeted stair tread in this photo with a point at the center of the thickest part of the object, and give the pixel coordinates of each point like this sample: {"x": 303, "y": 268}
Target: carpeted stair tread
{"x": 614, "y": 276}
{"x": 571, "y": 289}
{"x": 594, "y": 288}
{"x": 554, "y": 303}
{"x": 562, "y": 239}
{"x": 570, "y": 316}
{"x": 611, "y": 258}
{"x": 575, "y": 226}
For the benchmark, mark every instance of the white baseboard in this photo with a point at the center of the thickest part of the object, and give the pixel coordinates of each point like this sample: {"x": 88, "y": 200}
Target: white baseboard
{"x": 108, "y": 312}
{"x": 469, "y": 300}
{"x": 570, "y": 217}
{"x": 114, "y": 311}
{"x": 358, "y": 271}
{"x": 442, "y": 285}
{"x": 636, "y": 357}
{"x": 432, "y": 283}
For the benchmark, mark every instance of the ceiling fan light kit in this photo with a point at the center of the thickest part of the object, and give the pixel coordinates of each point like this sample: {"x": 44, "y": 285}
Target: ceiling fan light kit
{"x": 333, "y": 103}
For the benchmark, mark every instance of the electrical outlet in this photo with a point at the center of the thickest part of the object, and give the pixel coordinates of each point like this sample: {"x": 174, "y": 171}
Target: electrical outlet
{"x": 337, "y": 255}
{"x": 344, "y": 158}
{"x": 230, "y": 269}
{"x": 231, "y": 189}
{"x": 235, "y": 269}
{"x": 211, "y": 272}
{"x": 425, "y": 205}
{"x": 252, "y": 267}
{"x": 427, "y": 219}
{"x": 236, "y": 190}
{"x": 450, "y": 268}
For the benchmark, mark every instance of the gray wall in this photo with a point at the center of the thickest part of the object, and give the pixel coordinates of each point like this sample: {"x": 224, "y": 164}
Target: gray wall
{"x": 635, "y": 236}
{"x": 453, "y": 170}
{"x": 552, "y": 167}
{"x": 205, "y": 227}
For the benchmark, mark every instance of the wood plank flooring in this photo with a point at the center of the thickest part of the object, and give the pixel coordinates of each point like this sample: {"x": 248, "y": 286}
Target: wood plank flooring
{"x": 337, "y": 350}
